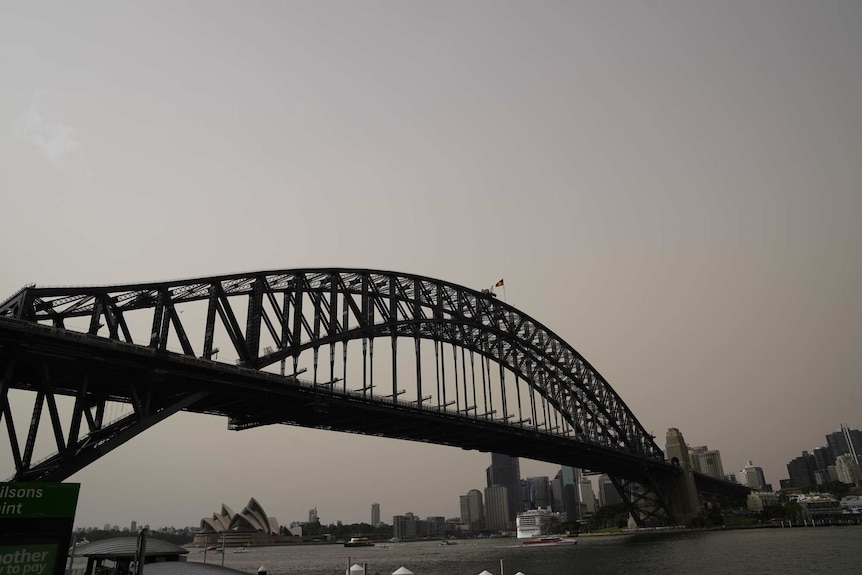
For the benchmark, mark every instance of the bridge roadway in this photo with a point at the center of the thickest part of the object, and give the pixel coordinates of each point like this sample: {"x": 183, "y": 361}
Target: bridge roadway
{"x": 159, "y": 383}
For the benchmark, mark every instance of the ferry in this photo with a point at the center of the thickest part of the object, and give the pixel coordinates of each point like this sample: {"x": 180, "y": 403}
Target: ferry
{"x": 359, "y": 542}
{"x": 547, "y": 541}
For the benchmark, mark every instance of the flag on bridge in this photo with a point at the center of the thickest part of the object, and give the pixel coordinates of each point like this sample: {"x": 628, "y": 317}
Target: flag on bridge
{"x": 499, "y": 284}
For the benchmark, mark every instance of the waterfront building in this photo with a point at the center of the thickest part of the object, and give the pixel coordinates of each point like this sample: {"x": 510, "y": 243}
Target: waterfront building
{"x": 505, "y": 471}
{"x": 497, "y": 508}
{"x": 312, "y": 516}
{"x": 752, "y": 476}
{"x": 538, "y": 493}
{"x": 692, "y": 460}
{"x": 847, "y": 469}
{"x": 851, "y": 505}
{"x": 820, "y": 507}
{"x": 117, "y": 554}
{"x": 134, "y": 527}
{"x": 375, "y": 514}
{"x": 845, "y": 440}
{"x": 801, "y": 471}
{"x": 249, "y": 526}
{"x": 405, "y": 526}
{"x": 433, "y": 526}
{"x": 758, "y": 500}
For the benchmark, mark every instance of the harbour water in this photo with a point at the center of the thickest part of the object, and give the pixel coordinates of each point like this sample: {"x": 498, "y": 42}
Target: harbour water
{"x": 797, "y": 551}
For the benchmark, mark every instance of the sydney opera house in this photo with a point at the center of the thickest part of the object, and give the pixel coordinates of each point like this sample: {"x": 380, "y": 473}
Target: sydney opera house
{"x": 251, "y": 526}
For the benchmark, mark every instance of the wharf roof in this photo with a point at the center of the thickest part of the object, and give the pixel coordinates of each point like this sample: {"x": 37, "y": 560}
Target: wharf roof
{"x": 126, "y": 547}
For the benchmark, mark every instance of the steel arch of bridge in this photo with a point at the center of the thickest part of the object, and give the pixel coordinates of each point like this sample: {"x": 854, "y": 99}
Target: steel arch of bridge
{"x": 312, "y": 309}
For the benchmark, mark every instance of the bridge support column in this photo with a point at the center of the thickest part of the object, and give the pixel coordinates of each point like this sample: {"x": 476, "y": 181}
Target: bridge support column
{"x": 647, "y": 501}
{"x": 683, "y": 496}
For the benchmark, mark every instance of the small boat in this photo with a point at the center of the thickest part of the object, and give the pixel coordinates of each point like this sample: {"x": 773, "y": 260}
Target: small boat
{"x": 359, "y": 542}
{"x": 447, "y": 543}
{"x": 547, "y": 541}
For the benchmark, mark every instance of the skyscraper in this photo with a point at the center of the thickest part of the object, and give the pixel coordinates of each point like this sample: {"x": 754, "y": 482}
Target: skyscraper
{"x": 538, "y": 493}
{"x": 505, "y": 471}
{"x": 823, "y": 457}
{"x": 847, "y": 469}
{"x": 474, "y": 508}
{"x": 608, "y": 494}
{"x": 801, "y": 471}
{"x": 556, "y": 493}
{"x": 497, "y": 508}
{"x": 571, "y": 503}
{"x": 312, "y": 515}
{"x": 752, "y": 476}
{"x": 375, "y": 514}
{"x": 587, "y": 497}
{"x": 845, "y": 440}
{"x": 706, "y": 461}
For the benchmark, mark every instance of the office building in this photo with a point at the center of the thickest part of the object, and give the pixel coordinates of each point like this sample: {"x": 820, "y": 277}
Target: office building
{"x": 801, "y": 471}
{"x": 823, "y": 458}
{"x": 571, "y": 503}
{"x": 538, "y": 493}
{"x": 608, "y": 494}
{"x": 433, "y": 527}
{"x": 505, "y": 471}
{"x": 312, "y": 515}
{"x": 497, "y": 508}
{"x": 752, "y": 476}
{"x": 586, "y": 497}
{"x": 708, "y": 462}
{"x": 375, "y": 514}
{"x": 473, "y": 510}
{"x": 405, "y": 526}
{"x": 845, "y": 440}
{"x": 847, "y": 469}
{"x": 556, "y": 493}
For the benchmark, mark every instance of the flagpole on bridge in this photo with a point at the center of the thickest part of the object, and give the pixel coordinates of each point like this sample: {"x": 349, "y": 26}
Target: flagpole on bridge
{"x": 502, "y": 284}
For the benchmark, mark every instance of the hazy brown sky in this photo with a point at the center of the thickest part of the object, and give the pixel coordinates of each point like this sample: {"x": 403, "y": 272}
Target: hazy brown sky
{"x": 672, "y": 187}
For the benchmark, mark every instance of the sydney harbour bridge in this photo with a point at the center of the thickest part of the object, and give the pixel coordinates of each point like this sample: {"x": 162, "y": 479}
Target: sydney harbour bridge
{"x": 353, "y": 350}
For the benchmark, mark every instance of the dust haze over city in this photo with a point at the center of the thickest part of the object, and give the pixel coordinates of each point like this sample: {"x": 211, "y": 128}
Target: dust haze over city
{"x": 671, "y": 187}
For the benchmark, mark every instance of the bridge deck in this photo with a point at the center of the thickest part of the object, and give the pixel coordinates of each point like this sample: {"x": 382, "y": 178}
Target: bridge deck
{"x": 250, "y": 397}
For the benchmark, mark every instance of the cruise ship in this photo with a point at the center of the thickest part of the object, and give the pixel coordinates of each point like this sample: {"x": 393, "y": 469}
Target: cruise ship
{"x": 538, "y": 523}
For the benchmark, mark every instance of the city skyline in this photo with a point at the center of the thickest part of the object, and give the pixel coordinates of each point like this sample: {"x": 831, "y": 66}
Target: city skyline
{"x": 670, "y": 187}
{"x": 603, "y": 492}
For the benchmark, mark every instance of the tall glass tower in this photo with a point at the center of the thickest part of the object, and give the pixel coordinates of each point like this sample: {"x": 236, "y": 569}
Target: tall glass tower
{"x": 505, "y": 471}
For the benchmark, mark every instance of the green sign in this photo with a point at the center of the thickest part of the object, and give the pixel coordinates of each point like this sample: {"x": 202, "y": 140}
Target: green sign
{"x": 28, "y": 559}
{"x": 36, "y": 527}
{"x": 31, "y": 500}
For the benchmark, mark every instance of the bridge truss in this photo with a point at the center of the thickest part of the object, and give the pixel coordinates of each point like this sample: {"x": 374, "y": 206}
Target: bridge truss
{"x": 273, "y": 347}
